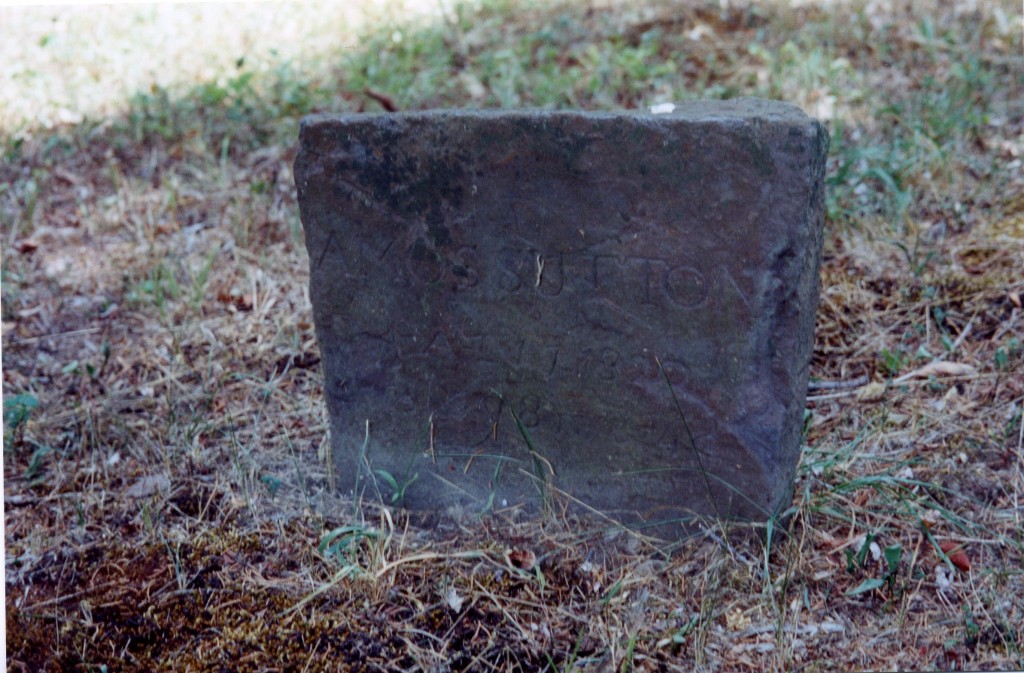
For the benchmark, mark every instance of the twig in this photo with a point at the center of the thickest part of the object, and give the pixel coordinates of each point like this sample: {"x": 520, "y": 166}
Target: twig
{"x": 1020, "y": 437}
{"x": 56, "y": 600}
{"x": 727, "y": 547}
{"x": 386, "y": 102}
{"x": 693, "y": 445}
{"x": 838, "y": 385}
{"x": 56, "y": 335}
{"x": 617, "y": 524}
{"x": 428, "y": 556}
{"x": 800, "y": 629}
{"x": 27, "y": 500}
{"x": 433, "y": 455}
{"x": 963, "y": 335}
{"x": 831, "y": 396}
{"x": 1006, "y": 326}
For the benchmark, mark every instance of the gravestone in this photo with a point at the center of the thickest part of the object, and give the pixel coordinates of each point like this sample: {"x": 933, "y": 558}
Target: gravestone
{"x": 616, "y": 309}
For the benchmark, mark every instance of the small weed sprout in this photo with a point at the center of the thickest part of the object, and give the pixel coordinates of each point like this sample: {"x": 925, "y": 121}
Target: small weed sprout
{"x": 858, "y": 561}
{"x": 344, "y": 543}
{"x": 543, "y": 471}
{"x": 17, "y": 411}
{"x": 200, "y": 279}
{"x": 397, "y": 488}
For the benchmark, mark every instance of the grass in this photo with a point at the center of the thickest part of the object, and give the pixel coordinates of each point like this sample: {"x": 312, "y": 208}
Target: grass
{"x": 168, "y": 495}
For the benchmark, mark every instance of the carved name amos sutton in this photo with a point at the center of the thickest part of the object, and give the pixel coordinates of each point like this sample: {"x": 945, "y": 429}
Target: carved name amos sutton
{"x": 615, "y": 307}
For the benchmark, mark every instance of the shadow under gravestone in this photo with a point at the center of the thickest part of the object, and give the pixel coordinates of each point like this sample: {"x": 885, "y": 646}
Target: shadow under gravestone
{"x": 617, "y": 305}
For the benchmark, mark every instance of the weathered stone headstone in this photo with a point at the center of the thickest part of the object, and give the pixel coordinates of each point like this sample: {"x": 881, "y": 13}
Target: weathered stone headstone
{"x": 617, "y": 305}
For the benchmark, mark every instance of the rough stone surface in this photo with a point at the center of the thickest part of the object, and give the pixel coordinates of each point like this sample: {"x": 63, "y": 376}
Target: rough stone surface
{"x": 631, "y": 294}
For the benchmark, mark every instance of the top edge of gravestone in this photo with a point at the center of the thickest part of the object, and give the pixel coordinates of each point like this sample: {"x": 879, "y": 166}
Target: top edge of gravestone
{"x": 704, "y": 111}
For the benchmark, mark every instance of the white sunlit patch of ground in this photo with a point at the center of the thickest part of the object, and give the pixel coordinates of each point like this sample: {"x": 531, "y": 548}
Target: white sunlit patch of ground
{"x": 60, "y": 64}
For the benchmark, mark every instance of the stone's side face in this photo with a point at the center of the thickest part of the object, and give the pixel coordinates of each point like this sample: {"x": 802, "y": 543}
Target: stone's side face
{"x": 629, "y": 291}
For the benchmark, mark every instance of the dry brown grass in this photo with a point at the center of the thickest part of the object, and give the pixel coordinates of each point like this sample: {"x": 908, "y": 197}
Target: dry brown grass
{"x": 166, "y": 501}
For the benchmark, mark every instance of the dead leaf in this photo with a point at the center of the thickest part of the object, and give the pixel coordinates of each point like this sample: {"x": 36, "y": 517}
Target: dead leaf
{"x": 473, "y": 86}
{"x": 385, "y": 101}
{"x": 63, "y": 174}
{"x": 295, "y": 361}
{"x": 956, "y": 555}
{"x": 938, "y": 368}
{"x": 454, "y": 600}
{"x": 522, "y": 558}
{"x": 147, "y": 486}
{"x": 872, "y": 392}
{"x": 27, "y": 246}
{"x": 930, "y": 518}
{"x": 241, "y": 303}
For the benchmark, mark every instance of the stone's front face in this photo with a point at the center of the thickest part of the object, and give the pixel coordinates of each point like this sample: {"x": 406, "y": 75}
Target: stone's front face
{"x": 637, "y": 290}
